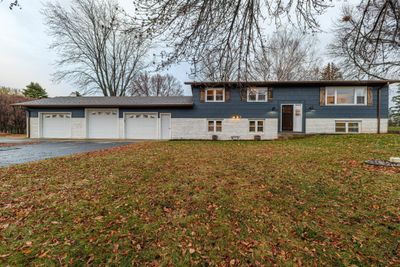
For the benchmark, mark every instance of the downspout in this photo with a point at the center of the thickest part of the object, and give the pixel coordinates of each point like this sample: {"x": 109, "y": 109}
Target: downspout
{"x": 28, "y": 126}
{"x": 378, "y": 109}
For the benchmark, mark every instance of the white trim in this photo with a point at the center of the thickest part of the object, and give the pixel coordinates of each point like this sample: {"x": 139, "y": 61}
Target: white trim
{"x": 40, "y": 124}
{"x": 215, "y": 95}
{"x": 257, "y": 88}
{"x": 87, "y": 110}
{"x": 160, "y": 126}
{"x": 135, "y": 112}
{"x": 354, "y": 95}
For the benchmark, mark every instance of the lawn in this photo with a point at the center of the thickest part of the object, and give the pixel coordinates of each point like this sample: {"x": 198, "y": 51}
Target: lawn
{"x": 298, "y": 202}
{"x": 394, "y": 128}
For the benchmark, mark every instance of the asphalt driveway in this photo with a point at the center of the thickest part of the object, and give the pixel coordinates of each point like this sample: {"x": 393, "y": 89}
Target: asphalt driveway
{"x": 49, "y": 149}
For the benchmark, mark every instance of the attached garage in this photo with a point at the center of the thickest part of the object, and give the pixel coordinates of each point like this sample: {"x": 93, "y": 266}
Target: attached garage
{"x": 102, "y": 123}
{"x": 56, "y": 125}
{"x": 141, "y": 125}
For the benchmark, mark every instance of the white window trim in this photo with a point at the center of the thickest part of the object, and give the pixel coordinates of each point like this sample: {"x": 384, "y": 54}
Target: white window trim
{"x": 354, "y": 96}
{"x": 215, "y": 95}
{"x": 215, "y": 126}
{"x": 255, "y": 88}
{"x": 256, "y": 126}
{"x": 347, "y": 127}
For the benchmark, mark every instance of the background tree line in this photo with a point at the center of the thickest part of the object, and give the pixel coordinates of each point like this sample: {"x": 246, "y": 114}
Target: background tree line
{"x": 13, "y": 118}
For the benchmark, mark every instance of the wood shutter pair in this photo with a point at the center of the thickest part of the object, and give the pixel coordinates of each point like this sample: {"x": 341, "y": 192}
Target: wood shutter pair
{"x": 322, "y": 93}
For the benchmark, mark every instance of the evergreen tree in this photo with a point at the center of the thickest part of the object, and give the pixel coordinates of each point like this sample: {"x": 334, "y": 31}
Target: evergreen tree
{"x": 331, "y": 72}
{"x": 34, "y": 90}
{"x": 395, "y": 110}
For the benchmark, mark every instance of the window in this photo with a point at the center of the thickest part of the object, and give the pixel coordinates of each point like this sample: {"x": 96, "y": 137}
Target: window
{"x": 347, "y": 127}
{"x": 215, "y": 95}
{"x": 346, "y": 96}
{"x": 215, "y": 126}
{"x": 256, "y": 126}
{"x": 257, "y": 95}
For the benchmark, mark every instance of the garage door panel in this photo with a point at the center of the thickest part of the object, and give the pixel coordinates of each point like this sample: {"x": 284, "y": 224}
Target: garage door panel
{"x": 56, "y": 125}
{"x": 141, "y": 126}
{"x": 102, "y": 123}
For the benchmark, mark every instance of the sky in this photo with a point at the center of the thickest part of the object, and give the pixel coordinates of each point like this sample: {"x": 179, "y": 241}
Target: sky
{"x": 25, "y": 55}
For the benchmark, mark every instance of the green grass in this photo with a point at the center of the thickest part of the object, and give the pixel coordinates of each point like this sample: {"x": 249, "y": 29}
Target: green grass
{"x": 394, "y": 128}
{"x": 295, "y": 202}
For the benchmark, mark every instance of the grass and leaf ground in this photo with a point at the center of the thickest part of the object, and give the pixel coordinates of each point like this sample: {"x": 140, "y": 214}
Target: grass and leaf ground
{"x": 297, "y": 202}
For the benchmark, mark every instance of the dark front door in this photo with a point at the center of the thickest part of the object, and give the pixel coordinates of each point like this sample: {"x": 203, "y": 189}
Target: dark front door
{"x": 287, "y": 117}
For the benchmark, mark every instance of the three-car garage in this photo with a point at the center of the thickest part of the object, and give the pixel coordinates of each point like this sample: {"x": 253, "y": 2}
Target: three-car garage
{"x": 124, "y": 117}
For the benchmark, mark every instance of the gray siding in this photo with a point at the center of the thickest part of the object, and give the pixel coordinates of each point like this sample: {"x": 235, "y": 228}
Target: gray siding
{"x": 76, "y": 112}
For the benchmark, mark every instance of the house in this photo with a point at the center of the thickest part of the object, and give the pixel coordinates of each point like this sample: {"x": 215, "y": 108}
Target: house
{"x": 223, "y": 110}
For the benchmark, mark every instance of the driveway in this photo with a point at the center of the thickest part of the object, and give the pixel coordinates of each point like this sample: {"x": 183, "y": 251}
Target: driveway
{"x": 49, "y": 149}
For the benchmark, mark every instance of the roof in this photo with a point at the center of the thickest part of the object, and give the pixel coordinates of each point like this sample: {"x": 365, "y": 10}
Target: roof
{"x": 113, "y": 101}
{"x": 296, "y": 83}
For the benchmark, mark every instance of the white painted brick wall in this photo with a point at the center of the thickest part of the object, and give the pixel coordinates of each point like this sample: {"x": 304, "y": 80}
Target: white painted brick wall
{"x": 328, "y": 125}
{"x": 197, "y": 129}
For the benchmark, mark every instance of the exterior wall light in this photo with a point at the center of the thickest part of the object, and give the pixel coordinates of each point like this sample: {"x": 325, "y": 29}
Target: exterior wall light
{"x": 273, "y": 108}
{"x": 236, "y": 117}
{"x": 311, "y": 108}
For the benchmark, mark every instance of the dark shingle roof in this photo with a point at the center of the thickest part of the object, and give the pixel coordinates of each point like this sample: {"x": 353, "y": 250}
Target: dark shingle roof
{"x": 296, "y": 83}
{"x": 121, "y": 101}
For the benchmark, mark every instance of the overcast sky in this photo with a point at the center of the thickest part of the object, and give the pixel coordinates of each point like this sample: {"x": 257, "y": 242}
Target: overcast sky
{"x": 25, "y": 56}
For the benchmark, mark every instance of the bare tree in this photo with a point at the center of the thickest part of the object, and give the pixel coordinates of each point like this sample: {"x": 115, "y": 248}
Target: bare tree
{"x": 212, "y": 67}
{"x": 367, "y": 42}
{"x": 195, "y": 28}
{"x": 287, "y": 55}
{"x": 95, "y": 49}
{"x": 156, "y": 85}
{"x": 331, "y": 72}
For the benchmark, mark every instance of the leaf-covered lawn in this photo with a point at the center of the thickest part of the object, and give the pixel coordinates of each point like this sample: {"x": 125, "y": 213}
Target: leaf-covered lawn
{"x": 294, "y": 202}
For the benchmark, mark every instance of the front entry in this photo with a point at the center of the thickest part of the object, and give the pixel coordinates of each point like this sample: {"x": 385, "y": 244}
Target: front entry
{"x": 287, "y": 117}
{"x": 292, "y": 118}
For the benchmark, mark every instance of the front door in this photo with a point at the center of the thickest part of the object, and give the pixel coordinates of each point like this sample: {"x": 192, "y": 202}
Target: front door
{"x": 165, "y": 126}
{"x": 287, "y": 117}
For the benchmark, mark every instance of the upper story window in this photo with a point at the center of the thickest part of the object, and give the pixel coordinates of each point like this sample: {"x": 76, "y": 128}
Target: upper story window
{"x": 257, "y": 94}
{"x": 346, "y": 96}
{"x": 215, "y": 95}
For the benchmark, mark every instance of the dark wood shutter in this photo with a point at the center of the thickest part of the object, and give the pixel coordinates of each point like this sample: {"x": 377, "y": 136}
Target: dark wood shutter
{"x": 202, "y": 95}
{"x": 227, "y": 94}
{"x": 322, "y": 96}
{"x": 270, "y": 94}
{"x": 370, "y": 97}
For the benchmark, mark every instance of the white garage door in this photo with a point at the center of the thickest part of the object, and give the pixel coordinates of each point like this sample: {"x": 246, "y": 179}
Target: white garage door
{"x": 141, "y": 125}
{"x": 56, "y": 125}
{"x": 102, "y": 123}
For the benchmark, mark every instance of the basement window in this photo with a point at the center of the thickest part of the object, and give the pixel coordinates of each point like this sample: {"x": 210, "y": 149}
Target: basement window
{"x": 215, "y": 126}
{"x": 347, "y": 126}
{"x": 256, "y": 126}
